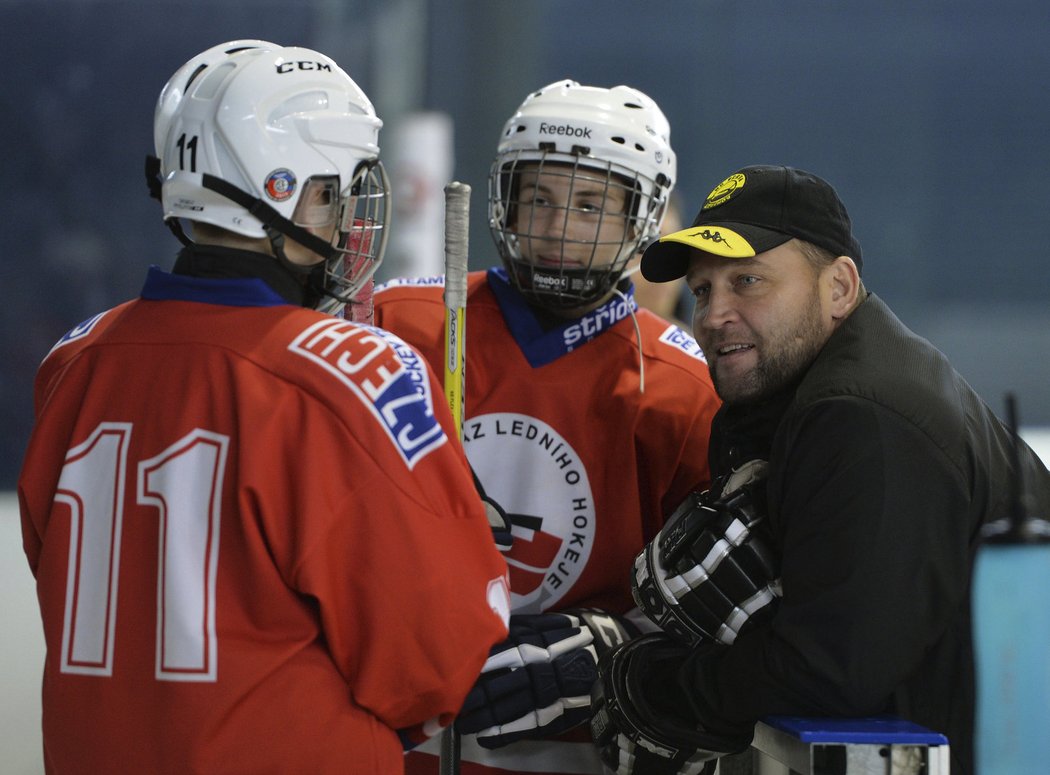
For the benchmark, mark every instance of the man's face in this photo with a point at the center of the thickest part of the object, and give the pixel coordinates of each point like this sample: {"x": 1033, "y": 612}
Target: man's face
{"x": 571, "y": 218}
{"x": 760, "y": 321}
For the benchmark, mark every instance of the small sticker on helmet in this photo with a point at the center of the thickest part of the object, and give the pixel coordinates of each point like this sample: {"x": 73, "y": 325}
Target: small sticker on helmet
{"x": 280, "y": 185}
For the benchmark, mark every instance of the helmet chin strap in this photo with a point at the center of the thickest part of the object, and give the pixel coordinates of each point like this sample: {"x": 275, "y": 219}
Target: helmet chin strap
{"x": 637, "y": 336}
{"x": 276, "y": 226}
{"x": 313, "y": 286}
{"x": 277, "y": 243}
{"x": 277, "y": 229}
{"x": 153, "y": 182}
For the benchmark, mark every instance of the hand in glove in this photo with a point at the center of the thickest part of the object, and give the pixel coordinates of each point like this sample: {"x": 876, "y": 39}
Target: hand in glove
{"x": 641, "y": 723}
{"x": 537, "y": 682}
{"x": 710, "y": 574}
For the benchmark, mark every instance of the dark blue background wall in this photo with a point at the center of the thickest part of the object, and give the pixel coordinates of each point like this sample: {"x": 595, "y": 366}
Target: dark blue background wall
{"x": 929, "y": 118}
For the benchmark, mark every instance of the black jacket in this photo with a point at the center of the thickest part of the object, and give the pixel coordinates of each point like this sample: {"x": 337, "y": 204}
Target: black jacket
{"x": 884, "y": 464}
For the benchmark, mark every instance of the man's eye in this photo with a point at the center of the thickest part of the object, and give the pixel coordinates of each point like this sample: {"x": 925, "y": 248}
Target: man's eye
{"x": 747, "y": 280}
{"x": 700, "y": 291}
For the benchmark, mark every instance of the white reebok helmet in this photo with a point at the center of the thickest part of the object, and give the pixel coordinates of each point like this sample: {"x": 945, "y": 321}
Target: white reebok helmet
{"x": 614, "y": 138}
{"x": 245, "y": 128}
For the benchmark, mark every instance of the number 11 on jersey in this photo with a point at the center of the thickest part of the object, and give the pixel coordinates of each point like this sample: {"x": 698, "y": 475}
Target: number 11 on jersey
{"x": 183, "y": 484}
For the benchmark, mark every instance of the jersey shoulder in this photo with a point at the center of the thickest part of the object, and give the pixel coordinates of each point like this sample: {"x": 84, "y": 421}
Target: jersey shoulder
{"x": 354, "y": 369}
{"x": 77, "y": 339}
{"x": 414, "y": 307}
{"x": 664, "y": 341}
{"x": 420, "y": 288}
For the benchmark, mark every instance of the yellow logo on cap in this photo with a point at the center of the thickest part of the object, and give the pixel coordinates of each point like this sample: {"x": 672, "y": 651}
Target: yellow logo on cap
{"x": 724, "y": 190}
{"x": 713, "y": 239}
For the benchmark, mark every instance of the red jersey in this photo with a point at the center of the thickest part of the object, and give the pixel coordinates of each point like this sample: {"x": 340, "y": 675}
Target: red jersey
{"x": 256, "y": 549}
{"x": 562, "y": 436}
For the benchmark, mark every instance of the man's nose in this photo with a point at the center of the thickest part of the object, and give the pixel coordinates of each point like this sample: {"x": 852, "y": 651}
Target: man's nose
{"x": 715, "y": 310}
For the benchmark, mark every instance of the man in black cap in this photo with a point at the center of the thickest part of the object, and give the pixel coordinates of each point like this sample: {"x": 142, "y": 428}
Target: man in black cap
{"x": 836, "y": 581}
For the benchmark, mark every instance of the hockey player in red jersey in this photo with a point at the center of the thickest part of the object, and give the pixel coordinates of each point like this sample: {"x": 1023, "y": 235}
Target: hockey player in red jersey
{"x": 586, "y": 418}
{"x": 256, "y": 547}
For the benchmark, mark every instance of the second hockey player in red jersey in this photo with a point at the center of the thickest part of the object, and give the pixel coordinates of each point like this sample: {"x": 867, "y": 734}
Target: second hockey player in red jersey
{"x": 587, "y": 419}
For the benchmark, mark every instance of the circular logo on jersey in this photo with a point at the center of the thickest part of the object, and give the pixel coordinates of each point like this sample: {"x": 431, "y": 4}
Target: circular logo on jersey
{"x": 540, "y": 482}
{"x": 724, "y": 191}
{"x": 280, "y": 185}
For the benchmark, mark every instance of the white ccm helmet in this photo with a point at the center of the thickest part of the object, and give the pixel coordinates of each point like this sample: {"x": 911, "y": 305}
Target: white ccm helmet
{"x": 243, "y": 130}
{"x": 617, "y": 138}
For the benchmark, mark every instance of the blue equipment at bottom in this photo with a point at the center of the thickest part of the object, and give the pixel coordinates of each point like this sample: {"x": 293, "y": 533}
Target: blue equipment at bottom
{"x": 881, "y": 745}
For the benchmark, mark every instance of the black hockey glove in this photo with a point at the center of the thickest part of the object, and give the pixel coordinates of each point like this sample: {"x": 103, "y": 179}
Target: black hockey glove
{"x": 709, "y": 573}
{"x": 537, "y": 682}
{"x": 498, "y": 519}
{"x": 640, "y": 723}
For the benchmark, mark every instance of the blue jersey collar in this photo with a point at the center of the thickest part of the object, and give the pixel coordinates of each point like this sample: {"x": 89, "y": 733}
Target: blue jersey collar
{"x": 232, "y": 292}
{"x": 541, "y": 346}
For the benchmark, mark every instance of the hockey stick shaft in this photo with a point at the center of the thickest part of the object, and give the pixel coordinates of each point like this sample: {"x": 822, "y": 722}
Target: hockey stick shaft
{"x": 457, "y": 221}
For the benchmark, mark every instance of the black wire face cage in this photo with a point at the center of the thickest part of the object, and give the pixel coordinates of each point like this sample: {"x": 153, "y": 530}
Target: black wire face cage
{"x": 566, "y": 226}
{"x": 360, "y": 240}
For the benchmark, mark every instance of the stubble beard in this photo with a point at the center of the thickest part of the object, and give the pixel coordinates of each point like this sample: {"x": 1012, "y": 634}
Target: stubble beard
{"x": 781, "y": 361}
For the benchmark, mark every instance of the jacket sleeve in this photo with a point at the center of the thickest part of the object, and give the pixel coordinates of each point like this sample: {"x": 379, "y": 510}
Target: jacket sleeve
{"x": 871, "y": 519}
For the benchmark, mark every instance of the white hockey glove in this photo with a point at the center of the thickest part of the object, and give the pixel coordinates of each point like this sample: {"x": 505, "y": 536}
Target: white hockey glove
{"x": 638, "y": 726}
{"x": 537, "y": 682}
{"x": 709, "y": 573}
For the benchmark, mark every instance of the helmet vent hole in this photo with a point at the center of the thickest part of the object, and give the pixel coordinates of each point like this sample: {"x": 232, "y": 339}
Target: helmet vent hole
{"x": 619, "y": 140}
{"x": 639, "y": 147}
{"x": 213, "y": 81}
{"x": 194, "y": 74}
{"x": 632, "y": 105}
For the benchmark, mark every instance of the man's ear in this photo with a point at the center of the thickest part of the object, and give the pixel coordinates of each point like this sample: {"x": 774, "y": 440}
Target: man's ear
{"x": 844, "y": 284}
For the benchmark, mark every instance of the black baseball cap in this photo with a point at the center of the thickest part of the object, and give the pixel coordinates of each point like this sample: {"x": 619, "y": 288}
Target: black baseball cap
{"x": 752, "y": 211}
